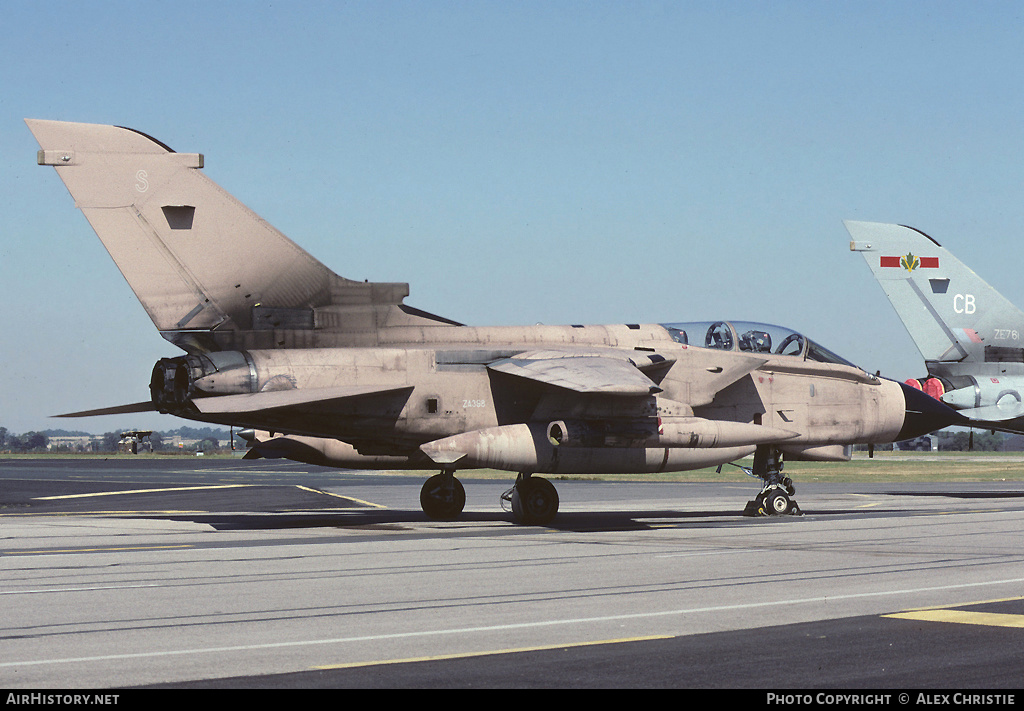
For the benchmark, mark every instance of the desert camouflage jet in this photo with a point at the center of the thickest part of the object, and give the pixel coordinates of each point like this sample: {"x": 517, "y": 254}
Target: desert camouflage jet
{"x": 343, "y": 372}
{"x": 970, "y": 336}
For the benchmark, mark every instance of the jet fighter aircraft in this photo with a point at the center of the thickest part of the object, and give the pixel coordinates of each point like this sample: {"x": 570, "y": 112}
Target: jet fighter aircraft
{"x": 320, "y": 365}
{"x": 970, "y": 336}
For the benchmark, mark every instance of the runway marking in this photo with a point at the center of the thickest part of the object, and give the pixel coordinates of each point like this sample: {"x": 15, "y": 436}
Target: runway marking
{"x": 217, "y": 470}
{"x": 963, "y": 617}
{"x": 701, "y": 554}
{"x": 87, "y": 588}
{"x": 339, "y": 496}
{"x": 121, "y": 513}
{"x": 53, "y": 551}
{"x": 942, "y": 613}
{"x": 467, "y": 655}
{"x": 141, "y": 491}
{"x": 501, "y": 628}
{"x": 199, "y": 488}
{"x": 971, "y": 604}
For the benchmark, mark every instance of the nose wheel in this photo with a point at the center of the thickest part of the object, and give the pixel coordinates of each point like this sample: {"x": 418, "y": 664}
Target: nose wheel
{"x": 776, "y": 498}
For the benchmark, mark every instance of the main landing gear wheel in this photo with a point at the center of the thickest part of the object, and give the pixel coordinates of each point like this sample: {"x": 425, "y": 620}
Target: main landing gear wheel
{"x": 534, "y": 501}
{"x": 443, "y": 497}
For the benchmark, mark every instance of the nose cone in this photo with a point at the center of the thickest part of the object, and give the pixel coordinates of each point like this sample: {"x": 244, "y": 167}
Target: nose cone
{"x": 924, "y": 414}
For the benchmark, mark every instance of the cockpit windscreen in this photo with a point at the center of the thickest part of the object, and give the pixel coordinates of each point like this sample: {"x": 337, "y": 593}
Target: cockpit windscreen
{"x": 751, "y": 337}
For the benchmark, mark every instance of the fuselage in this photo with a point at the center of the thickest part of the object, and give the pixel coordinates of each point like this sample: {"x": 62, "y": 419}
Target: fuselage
{"x": 428, "y": 384}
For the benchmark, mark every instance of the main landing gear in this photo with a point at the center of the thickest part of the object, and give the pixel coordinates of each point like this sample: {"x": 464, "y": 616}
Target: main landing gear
{"x": 533, "y": 500}
{"x": 776, "y": 498}
{"x": 443, "y": 497}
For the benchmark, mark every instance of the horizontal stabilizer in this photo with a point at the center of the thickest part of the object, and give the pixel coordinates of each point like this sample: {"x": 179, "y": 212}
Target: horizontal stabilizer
{"x": 309, "y": 400}
{"x": 133, "y": 408}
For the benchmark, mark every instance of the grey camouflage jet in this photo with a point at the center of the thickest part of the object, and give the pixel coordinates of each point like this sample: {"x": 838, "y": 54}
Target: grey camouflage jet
{"x": 970, "y": 336}
{"x": 334, "y": 371}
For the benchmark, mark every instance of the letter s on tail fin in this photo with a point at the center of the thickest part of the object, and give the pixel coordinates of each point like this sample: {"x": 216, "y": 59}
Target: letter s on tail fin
{"x": 210, "y": 272}
{"x": 950, "y": 312}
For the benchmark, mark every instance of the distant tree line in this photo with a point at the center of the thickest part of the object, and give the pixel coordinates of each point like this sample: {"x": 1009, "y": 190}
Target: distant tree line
{"x": 964, "y": 441}
{"x": 27, "y": 442}
{"x": 978, "y": 441}
{"x": 207, "y": 439}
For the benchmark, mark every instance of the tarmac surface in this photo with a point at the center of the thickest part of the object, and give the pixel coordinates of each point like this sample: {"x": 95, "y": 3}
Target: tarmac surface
{"x": 184, "y": 573}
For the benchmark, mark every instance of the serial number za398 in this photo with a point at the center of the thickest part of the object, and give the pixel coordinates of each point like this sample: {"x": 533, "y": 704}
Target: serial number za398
{"x": 1007, "y": 334}
{"x": 474, "y": 403}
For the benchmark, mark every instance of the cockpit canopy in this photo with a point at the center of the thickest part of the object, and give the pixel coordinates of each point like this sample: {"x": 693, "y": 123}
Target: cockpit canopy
{"x": 753, "y": 338}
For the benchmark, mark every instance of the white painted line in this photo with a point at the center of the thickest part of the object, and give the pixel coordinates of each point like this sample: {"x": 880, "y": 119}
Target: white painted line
{"x": 502, "y": 628}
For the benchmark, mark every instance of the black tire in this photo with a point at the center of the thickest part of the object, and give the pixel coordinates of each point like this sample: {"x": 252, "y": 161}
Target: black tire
{"x": 777, "y": 503}
{"x": 440, "y": 502}
{"x": 534, "y": 501}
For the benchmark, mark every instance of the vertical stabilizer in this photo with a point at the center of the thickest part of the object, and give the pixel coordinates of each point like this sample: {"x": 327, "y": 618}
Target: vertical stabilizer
{"x": 951, "y": 313}
{"x": 209, "y": 271}
{"x": 194, "y": 256}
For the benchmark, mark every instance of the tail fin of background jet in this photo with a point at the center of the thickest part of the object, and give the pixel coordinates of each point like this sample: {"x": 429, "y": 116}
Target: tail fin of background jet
{"x": 209, "y": 271}
{"x": 951, "y": 313}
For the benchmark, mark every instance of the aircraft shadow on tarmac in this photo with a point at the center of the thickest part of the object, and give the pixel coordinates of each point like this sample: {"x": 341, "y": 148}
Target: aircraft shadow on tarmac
{"x": 571, "y": 522}
{"x": 276, "y": 507}
{"x": 581, "y": 522}
{"x": 270, "y": 507}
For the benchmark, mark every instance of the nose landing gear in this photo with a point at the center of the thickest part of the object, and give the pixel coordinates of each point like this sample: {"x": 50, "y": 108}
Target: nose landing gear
{"x": 776, "y": 498}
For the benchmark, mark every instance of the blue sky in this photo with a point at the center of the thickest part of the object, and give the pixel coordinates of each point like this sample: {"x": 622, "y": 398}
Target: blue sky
{"x": 520, "y": 162}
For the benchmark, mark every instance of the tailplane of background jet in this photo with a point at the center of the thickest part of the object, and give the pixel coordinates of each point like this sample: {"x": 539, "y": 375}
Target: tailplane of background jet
{"x": 970, "y": 336}
{"x": 951, "y": 313}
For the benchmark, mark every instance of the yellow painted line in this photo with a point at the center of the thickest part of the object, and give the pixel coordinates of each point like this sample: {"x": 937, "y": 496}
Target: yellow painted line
{"x": 141, "y": 491}
{"x": 118, "y": 512}
{"x": 198, "y": 488}
{"x": 963, "y": 617}
{"x": 870, "y": 503}
{"x": 340, "y": 496}
{"x": 970, "y": 604}
{"x": 466, "y": 655}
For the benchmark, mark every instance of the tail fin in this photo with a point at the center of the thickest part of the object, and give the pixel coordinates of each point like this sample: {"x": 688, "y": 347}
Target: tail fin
{"x": 952, "y": 314}
{"x": 209, "y": 271}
